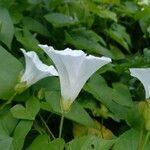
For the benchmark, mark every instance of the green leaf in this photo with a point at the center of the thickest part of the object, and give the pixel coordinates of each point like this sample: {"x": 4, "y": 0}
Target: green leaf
{"x": 53, "y": 4}
{"x": 7, "y": 29}
{"x": 7, "y": 124}
{"x": 51, "y": 83}
{"x": 121, "y": 95}
{"x": 27, "y": 39}
{"x": 10, "y": 69}
{"x": 16, "y": 16}
{"x": 80, "y": 9}
{"x": 12, "y": 131}
{"x": 42, "y": 142}
{"x": 102, "y": 12}
{"x": 89, "y": 143}
{"x": 34, "y": 2}
{"x": 6, "y": 3}
{"x": 34, "y": 25}
{"x": 108, "y": 1}
{"x": 83, "y": 39}
{"x": 144, "y": 19}
{"x": 105, "y": 13}
{"x": 103, "y": 93}
{"x": 57, "y": 144}
{"x": 147, "y": 145}
{"x": 93, "y": 35}
{"x": 29, "y": 112}
{"x": 118, "y": 33}
{"x": 135, "y": 118}
{"x": 5, "y": 143}
{"x": 60, "y": 20}
{"x": 77, "y": 113}
{"x": 127, "y": 141}
{"x": 20, "y": 133}
{"x": 117, "y": 53}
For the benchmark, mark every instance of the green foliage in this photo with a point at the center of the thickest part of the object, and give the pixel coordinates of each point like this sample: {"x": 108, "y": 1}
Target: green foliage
{"x": 99, "y": 89}
{"x": 89, "y": 142}
{"x": 9, "y": 73}
{"x": 13, "y": 131}
{"x": 29, "y": 112}
{"x": 113, "y": 28}
{"x": 121, "y": 95}
{"x": 7, "y": 28}
{"x": 130, "y": 139}
{"x": 84, "y": 39}
{"x": 60, "y": 20}
{"x": 43, "y": 142}
{"x": 53, "y": 98}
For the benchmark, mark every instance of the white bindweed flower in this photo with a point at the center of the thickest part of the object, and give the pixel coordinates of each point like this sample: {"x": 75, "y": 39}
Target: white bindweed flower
{"x": 143, "y": 74}
{"x": 74, "y": 68}
{"x": 35, "y": 70}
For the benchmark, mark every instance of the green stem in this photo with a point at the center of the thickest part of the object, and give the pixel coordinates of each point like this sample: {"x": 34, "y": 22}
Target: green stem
{"x": 8, "y": 101}
{"x": 50, "y": 132}
{"x": 145, "y": 140}
{"x": 61, "y": 125}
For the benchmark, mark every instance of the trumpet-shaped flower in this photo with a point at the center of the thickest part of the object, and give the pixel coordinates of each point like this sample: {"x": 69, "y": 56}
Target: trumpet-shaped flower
{"x": 74, "y": 68}
{"x": 143, "y": 74}
{"x": 35, "y": 70}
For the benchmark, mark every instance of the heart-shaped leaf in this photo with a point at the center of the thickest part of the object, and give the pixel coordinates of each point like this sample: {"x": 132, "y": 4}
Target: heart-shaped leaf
{"x": 29, "y": 112}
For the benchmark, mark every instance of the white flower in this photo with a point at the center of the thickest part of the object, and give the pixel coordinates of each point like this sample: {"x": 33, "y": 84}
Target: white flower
{"x": 35, "y": 70}
{"x": 74, "y": 68}
{"x": 143, "y": 74}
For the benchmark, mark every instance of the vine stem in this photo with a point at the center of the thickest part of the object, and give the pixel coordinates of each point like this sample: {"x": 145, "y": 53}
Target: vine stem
{"x": 45, "y": 124}
{"x": 145, "y": 140}
{"x": 8, "y": 101}
{"x": 61, "y": 126}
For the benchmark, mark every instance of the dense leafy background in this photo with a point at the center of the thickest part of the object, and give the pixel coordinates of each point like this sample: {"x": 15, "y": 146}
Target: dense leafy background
{"x": 106, "y": 114}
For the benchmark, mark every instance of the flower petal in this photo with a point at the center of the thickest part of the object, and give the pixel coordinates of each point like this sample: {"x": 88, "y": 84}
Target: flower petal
{"x": 35, "y": 70}
{"x": 67, "y": 63}
{"x": 89, "y": 66}
{"x": 143, "y": 74}
{"x": 74, "y": 67}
